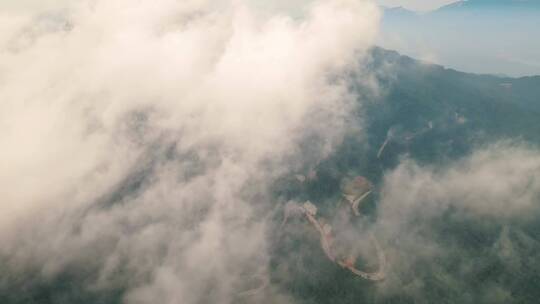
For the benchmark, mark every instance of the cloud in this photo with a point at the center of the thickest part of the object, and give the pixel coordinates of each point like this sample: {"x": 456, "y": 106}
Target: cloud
{"x": 462, "y": 230}
{"x": 499, "y": 181}
{"x": 139, "y": 140}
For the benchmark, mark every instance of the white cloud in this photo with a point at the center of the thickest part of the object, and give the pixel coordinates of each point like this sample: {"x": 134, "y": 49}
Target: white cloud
{"x": 429, "y": 215}
{"x": 499, "y": 181}
{"x": 138, "y": 139}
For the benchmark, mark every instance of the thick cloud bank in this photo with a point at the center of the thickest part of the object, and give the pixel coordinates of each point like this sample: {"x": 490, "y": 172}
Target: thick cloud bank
{"x": 138, "y": 138}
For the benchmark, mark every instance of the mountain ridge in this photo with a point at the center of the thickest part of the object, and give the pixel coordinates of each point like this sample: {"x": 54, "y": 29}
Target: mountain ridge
{"x": 483, "y": 4}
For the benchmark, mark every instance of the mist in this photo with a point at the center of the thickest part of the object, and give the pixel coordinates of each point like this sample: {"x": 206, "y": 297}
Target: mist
{"x": 465, "y": 230}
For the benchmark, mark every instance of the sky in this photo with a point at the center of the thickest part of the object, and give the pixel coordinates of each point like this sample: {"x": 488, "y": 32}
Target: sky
{"x": 418, "y": 5}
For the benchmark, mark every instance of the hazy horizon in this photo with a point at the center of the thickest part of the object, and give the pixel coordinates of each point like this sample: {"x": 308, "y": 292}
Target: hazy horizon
{"x": 481, "y": 39}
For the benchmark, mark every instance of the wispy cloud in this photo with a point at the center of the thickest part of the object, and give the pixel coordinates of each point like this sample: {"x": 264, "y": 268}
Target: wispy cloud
{"x": 444, "y": 227}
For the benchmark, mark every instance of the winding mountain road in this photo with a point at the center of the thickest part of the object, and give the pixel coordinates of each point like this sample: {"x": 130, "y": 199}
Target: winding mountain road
{"x": 326, "y": 239}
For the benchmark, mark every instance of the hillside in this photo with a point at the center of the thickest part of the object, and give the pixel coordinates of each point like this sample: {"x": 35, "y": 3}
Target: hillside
{"x": 433, "y": 116}
{"x": 438, "y": 114}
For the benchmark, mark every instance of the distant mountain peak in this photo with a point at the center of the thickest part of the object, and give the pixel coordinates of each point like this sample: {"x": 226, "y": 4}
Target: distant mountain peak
{"x": 398, "y": 11}
{"x": 454, "y": 5}
{"x": 478, "y": 4}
